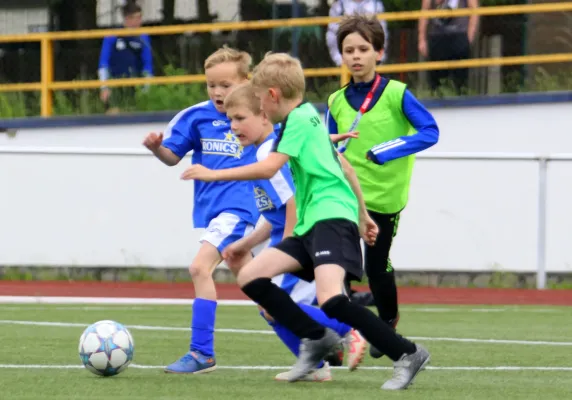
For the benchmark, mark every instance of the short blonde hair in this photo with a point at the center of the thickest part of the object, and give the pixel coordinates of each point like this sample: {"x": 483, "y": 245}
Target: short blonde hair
{"x": 242, "y": 59}
{"x": 243, "y": 95}
{"x": 281, "y": 71}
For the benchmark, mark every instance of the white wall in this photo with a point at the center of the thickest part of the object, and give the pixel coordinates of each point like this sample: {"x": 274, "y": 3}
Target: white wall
{"x": 19, "y": 20}
{"x": 227, "y": 10}
{"x": 133, "y": 211}
{"x": 15, "y": 21}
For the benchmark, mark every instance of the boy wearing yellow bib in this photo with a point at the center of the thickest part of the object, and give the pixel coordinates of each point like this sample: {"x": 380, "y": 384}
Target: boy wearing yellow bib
{"x": 389, "y": 126}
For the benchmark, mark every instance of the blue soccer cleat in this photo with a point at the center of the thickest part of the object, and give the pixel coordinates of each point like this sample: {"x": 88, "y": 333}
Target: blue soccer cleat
{"x": 192, "y": 363}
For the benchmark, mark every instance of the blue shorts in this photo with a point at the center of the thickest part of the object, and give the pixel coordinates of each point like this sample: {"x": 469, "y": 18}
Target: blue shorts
{"x": 226, "y": 229}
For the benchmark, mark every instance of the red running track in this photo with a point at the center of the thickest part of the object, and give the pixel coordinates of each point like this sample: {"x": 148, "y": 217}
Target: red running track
{"x": 407, "y": 295}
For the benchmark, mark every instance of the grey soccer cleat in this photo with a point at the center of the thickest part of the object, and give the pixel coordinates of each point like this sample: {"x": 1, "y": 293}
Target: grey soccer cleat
{"x": 311, "y": 353}
{"x": 407, "y": 368}
{"x": 323, "y": 374}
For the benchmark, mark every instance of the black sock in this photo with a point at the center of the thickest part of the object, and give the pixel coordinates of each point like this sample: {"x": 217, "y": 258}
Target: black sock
{"x": 283, "y": 309}
{"x": 375, "y": 331}
{"x": 384, "y": 291}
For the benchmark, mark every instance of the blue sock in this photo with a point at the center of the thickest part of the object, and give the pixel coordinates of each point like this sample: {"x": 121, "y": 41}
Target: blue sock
{"x": 320, "y": 317}
{"x": 202, "y": 334}
{"x": 287, "y": 337}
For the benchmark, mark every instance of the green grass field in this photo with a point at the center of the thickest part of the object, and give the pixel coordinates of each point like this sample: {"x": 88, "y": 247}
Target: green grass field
{"x": 459, "y": 369}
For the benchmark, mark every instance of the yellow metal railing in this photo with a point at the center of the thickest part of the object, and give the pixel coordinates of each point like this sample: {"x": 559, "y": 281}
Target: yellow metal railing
{"x": 47, "y": 84}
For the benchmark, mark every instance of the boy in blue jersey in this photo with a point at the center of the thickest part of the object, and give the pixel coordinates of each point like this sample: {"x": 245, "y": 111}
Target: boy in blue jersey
{"x": 125, "y": 57}
{"x": 226, "y": 209}
{"x": 275, "y": 201}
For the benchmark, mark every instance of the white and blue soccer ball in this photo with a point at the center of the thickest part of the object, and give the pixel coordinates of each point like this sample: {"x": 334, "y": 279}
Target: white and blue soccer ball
{"x": 106, "y": 348}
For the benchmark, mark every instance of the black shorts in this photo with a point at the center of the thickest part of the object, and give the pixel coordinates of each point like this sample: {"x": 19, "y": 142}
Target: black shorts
{"x": 332, "y": 241}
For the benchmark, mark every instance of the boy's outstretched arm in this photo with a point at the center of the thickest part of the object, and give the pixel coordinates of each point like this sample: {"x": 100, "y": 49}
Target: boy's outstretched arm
{"x": 264, "y": 169}
{"x": 333, "y": 130}
{"x": 180, "y": 138}
{"x": 368, "y": 227}
{"x": 154, "y": 142}
{"x": 427, "y": 134}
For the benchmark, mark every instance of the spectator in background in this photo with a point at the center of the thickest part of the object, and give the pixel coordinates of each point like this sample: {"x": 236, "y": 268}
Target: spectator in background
{"x": 124, "y": 57}
{"x": 445, "y": 39}
{"x": 350, "y": 7}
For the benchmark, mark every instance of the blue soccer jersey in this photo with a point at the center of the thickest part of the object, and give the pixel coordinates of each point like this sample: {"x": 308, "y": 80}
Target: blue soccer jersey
{"x": 272, "y": 194}
{"x": 206, "y": 132}
{"x": 124, "y": 57}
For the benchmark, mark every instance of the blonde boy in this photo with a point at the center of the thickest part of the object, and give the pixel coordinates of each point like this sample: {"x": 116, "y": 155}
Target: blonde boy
{"x": 326, "y": 239}
{"x": 275, "y": 202}
{"x": 226, "y": 209}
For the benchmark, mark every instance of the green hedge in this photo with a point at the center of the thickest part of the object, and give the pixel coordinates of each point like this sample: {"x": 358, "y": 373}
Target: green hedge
{"x": 180, "y": 96}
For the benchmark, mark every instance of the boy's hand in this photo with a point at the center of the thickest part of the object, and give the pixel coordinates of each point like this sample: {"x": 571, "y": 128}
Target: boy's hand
{"x": 368, "y": 230}
{"x": 235, "y": 251}
{"x": 198, "y": 173}
{"x": 338, "y": 137}
{"x": 104, "y": 95}
{"x": 153, "y": 141}
{"x": 372, "y": 157}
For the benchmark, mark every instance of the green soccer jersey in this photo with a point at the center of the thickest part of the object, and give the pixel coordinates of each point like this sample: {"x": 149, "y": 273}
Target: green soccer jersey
{"x": 322, "y": 190}
{"x": 385, "y": 187}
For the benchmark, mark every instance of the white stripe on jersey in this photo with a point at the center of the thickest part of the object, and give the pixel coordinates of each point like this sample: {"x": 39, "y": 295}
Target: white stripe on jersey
{"x": 180, "y": 115}
{"x": 388, "y": 145}
{"x": 278, "y": 181}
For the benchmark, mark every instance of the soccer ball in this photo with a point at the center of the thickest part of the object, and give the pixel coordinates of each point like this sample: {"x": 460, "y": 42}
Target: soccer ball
{"x": 106, "y": 348}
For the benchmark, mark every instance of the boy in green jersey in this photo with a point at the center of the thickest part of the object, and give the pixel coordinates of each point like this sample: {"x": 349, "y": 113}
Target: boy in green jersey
{"x": 325, "y": 245}
{"x": 392, "y": 127}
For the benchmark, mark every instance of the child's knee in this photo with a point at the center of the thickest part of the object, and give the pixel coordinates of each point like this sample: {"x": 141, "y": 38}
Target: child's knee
{"x": 200, "y": 271}
{"x": 324, "y": 296}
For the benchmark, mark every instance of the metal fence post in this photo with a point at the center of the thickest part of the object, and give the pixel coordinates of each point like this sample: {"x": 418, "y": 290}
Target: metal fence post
{"x": 47, "y": 68}
{"x": 541, "y": 238}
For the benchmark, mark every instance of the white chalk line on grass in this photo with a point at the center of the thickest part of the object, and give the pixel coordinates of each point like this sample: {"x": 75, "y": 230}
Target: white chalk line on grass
{"x": 134, "y": 327}
{"x": 111, "y": 301}
{"x": 269, "y": 332}
{"x": 285, "y": 368}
